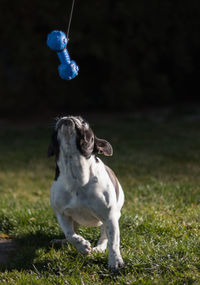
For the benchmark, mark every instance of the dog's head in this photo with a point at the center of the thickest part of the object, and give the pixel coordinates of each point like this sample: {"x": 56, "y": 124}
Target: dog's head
{"x": 72, "y": 135}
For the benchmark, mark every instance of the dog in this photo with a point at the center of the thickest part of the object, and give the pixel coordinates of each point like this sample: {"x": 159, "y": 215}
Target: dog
{"x": 85, "y": 191}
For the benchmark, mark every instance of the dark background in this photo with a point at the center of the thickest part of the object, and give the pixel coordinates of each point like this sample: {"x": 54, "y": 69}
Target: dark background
{"x": 132, "y": 55}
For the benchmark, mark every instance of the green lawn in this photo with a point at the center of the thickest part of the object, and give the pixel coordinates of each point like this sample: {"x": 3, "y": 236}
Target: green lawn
{"x": 158, "y": 164}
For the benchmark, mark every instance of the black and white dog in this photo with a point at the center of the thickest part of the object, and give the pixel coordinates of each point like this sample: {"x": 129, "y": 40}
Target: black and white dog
{"x": 85, "y": 191}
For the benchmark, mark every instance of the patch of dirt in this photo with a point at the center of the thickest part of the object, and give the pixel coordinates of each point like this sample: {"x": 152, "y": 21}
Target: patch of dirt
{"x": 7, "y": 247}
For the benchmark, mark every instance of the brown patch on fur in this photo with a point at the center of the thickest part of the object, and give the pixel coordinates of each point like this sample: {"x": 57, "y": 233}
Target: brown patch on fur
{"x": 114, "y": 180}
{"x": 102, "y": 147}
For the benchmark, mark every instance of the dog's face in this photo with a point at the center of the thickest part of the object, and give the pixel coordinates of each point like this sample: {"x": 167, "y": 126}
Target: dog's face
{"x": 72, "y": 135}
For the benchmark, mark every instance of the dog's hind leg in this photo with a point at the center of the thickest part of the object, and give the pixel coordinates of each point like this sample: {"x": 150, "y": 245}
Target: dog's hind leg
{"x": 102, "y": 243}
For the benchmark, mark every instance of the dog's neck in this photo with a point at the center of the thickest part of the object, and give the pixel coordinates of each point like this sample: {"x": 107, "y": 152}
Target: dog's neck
{"x": 75, "y": 168}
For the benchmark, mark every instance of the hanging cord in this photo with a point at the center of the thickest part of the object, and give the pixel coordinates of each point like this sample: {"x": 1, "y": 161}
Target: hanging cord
{"x": 70, "y": 18}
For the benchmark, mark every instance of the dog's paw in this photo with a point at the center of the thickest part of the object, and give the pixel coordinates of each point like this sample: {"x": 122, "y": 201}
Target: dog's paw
{"x": 99, "y": 248}
{"x": 115, "y": 264}
{"x": 58, "y": 241}
{"x": 84, "y": 246}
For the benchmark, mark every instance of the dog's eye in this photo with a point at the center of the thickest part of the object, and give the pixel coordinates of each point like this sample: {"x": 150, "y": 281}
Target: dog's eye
{"x": 85, "y": 125}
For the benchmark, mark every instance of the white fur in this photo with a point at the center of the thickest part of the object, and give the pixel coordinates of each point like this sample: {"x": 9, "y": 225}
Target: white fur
{"x": 84, "y": 194}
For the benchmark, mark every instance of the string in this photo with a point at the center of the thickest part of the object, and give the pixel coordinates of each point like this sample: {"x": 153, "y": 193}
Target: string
{"x": 70, "y": 18}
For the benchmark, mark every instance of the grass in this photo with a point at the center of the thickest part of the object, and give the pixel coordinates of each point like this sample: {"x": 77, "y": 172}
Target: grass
{"x": 157, "y": 162}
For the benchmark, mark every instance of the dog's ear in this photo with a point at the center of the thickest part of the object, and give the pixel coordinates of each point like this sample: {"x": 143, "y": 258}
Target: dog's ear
{"x": 86, "y": 142}
{"x": 53, "y": 148}
{"x": 102, "y": 147}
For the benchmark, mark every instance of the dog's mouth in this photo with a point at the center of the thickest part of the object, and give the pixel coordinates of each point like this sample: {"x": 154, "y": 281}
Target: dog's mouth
{"x": 68, "y": 122}
{"x": 73, "y": 123}
{"x": 67, "y": 127}
{"x": 70, "y": 126}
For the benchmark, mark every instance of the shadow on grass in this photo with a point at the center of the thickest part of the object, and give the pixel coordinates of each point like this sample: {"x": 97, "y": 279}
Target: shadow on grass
{"x": 22, "y": 258}
{"x": 25, "y": 255}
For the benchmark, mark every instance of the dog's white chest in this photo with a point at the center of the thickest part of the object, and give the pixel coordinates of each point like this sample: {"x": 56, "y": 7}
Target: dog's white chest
{"x": 74, "y": 204}
{"x": 83, "y": 216}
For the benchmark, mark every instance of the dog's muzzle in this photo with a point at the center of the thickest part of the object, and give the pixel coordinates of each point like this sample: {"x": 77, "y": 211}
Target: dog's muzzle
{"x": 69, "y": 123}
{"x": 67, "y": 126}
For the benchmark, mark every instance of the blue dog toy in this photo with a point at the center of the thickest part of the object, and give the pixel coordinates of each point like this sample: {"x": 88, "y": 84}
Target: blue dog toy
{"x": 57, "y": 41}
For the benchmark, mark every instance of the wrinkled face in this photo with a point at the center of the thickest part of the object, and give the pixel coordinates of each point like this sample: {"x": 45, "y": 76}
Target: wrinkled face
{"x": 72, "y": 135}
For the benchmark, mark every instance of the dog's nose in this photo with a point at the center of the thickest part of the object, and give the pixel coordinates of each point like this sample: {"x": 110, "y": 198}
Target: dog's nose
{"x": 69, "y": 123}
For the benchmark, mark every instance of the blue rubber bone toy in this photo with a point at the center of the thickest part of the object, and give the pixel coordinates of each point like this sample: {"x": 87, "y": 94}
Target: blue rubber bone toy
{"x": 57, "y": 41}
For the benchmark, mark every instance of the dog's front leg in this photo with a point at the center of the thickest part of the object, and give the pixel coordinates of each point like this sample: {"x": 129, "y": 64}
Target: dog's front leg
{"x": 112, "y": 228}
{"x": 77, "y": 241}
